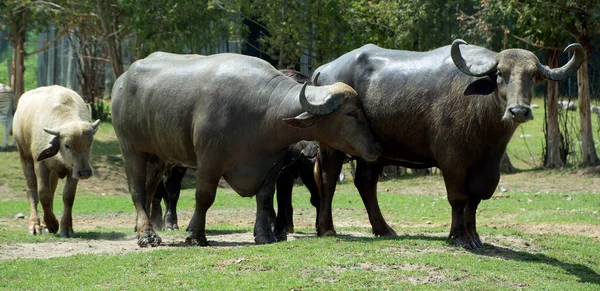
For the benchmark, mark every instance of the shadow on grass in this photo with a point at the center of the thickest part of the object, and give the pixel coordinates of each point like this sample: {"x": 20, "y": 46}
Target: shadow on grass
{"x": 585, "y": 274}
{"x": 350, "y": 237}
{"x": 227, "y": 231}
{"x": 97, "y": 235}
{"x": 212, "y": 243}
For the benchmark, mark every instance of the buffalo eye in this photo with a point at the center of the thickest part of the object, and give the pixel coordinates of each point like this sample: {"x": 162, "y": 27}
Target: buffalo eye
{"x": 351, "y": 113}
{"x": 67, "y": 147}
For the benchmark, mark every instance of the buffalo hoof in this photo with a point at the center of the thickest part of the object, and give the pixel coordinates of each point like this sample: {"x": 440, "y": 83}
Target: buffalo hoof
{"x": 477, "y": 241}
{"x": 201, "y": 241}
{"x": 149, "y": 239}
{"x": 35, "y": 229}
{"x": 172, "y": 227}
{"x": 265, "y": 239}
{"x": 51, "y": 225}
{"x": 389, "y": 232}
{"x": 281, "y": 235}
{"x": 67, "y": 233}
{"x": 467, "y": 243}
{"x": 290, "y": 229}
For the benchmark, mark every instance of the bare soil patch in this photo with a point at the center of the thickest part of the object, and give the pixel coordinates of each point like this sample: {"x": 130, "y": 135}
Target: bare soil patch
{"x": 93, "y": 241}
{"x": 122, "y": 245}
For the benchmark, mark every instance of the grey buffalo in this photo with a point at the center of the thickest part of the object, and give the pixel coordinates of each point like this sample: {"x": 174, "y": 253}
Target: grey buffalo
{"x": 437, "y": 109}
{"x": 299, "y": 163}
{"x": 54, "y": 138}
{"x": 230, "y": 116}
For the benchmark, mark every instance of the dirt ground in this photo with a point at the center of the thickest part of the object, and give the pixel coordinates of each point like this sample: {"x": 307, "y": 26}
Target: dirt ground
{"x": 110, "y": 180}
{"x": 111, "y": 244}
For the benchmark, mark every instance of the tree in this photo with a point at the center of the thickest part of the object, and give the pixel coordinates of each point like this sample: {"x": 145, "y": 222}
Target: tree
{"x": 585, "y": 19}
{"x": 176, "y": 26}
{"x": 550, "y": 25}
{"x": 108, "y": 12}
{"x": 553, "y": 157}
{"x": 325, "y": 29}
{"x": 17, "y": 17}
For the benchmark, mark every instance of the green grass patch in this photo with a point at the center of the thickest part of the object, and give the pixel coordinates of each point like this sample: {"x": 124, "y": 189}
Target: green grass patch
{"x": 418, "y": 260}
{"x": 542, "y": 233}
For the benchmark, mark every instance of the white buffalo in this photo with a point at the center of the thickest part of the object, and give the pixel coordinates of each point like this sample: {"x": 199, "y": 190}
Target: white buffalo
{"x": 54, "y": 138}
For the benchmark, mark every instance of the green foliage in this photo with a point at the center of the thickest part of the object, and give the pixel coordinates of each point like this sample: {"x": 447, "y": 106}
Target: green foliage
{"x": 176, "y": 26}
{"x": 554, "y": 23}
{"x": 325, "y": 29}
{"x": 25, "y": 15}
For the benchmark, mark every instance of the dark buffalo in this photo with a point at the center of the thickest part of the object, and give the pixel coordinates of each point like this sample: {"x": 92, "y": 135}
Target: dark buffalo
{"x": 299, "y": 163}
{"x": 434, "y": 109}
{"x": 228, "y": 116}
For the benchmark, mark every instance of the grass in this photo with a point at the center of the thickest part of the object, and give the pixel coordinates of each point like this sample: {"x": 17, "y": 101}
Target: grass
{"x": 417, "y": 260}
{"x": 526, "y": 147}
{"x": 541, "y": 233}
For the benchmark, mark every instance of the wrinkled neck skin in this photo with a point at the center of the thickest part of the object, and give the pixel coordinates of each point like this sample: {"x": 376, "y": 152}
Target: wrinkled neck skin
{"x": 482, "y": 123}
{"x": 494, "y": 108}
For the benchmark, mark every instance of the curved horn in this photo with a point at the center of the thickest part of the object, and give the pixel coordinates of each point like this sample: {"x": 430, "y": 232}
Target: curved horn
{"x": 566, "y": 71}
{"x": 314, "y": 81}
{"x": 95, "y": 125}
{"x": 469, "y": 69}
{"x": 51, "y": 131}
{"x": 330, "y": 104}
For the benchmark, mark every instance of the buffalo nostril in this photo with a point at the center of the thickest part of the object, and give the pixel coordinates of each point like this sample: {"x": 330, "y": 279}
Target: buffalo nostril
{"x": 85, "y": 173}
{"x": 520, "y": 111}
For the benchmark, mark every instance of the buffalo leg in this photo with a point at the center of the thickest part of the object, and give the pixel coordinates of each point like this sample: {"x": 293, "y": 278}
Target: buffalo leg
{"x": 470, "y": 218}
{"x": 458, "y": 200}
{"x": 481, "y": 183}
{"x": 154, "y": 175}
{"x": 135, "y": 168}
{"x": 66, "y": 222}
{"x": 264, "y": 206}
{"x": 46, "y": 195}
{"x": 206, "y": 189}
{"x": 156, "y": 209}
{"x": 366, "y": 178}
{"x": 173, "y": 190}
{"x": 306, "y": 172}
{"x": 32, "y": 194}
{"x": 284, "y": 221}
{"x": 330, "y": 163}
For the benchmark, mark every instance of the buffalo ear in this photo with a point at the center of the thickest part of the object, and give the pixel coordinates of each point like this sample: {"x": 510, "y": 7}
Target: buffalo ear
{"x": 482, "y": 86}
{"x": 50, "y": 150}
{"x": 303, "y": 120}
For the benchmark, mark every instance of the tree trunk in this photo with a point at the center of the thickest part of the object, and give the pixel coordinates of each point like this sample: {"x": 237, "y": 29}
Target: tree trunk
{"x": 587, "y": 139}
{"x": 553, "y": 158}
{"x": 506, "y": 166}
{"x": 589, "y": 157}
{"x": 110, "y": 26}
{"x": 18, "y": 65}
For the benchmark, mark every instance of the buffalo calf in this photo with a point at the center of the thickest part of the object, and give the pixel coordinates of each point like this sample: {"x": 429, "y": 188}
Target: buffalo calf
{"x": 54, "y": 139}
